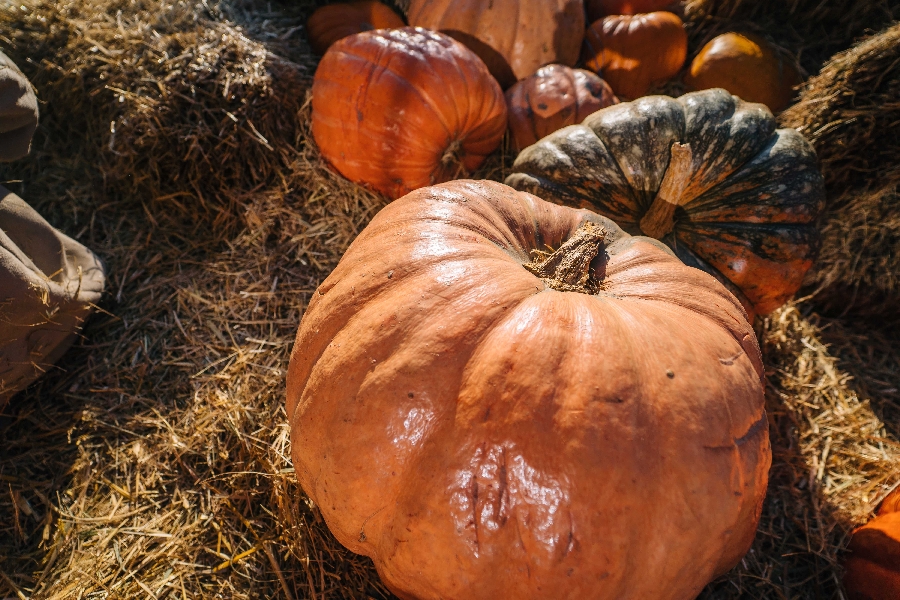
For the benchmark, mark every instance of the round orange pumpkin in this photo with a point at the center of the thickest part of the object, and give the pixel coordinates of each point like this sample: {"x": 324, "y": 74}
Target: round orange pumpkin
{"x": 332, "y": 22}
{"x": 632, "y": 53}
{"x": 555, "y": 96}
{"x": 497, "y": 397}
{"x": 597, "y": 9}
{"x": 872, "y": 570}
{"x": 400, "y": 109}
{"x": 513, "y": 37}
{"x": 747, "y": 66}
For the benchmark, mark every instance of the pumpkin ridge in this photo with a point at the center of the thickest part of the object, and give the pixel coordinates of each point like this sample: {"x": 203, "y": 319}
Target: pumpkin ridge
{"x": 340, "y": 83}
{"x": 589, "y": 200}
{"x": 421, "y": 91}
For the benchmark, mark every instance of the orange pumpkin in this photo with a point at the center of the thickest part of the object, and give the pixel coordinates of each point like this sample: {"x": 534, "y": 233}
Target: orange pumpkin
{"x": 332, "y": 22}
{"x": 497, "y": 397}
{"x": 597, "y": 9}
{"x": 632, "y": 53}
{"x": 872, "y": 570}
{"x": 400, "y": 109}
{"x": 747, "y": 66}
{"x": 513, "y": 37}
{"x": 555, "y": 96}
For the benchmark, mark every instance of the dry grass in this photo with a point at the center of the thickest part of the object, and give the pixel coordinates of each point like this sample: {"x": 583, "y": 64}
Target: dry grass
{"x": 154, "y": 462}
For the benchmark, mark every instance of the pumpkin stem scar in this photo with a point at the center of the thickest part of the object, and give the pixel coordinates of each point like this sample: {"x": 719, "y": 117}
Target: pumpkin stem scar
{"x": 659, "y": 220}
{"x": 452, "y": 156}
{"x": 568, "y": 269}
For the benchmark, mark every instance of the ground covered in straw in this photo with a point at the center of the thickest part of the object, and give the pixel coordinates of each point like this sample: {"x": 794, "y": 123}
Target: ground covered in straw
{"x": 154, "y": 461}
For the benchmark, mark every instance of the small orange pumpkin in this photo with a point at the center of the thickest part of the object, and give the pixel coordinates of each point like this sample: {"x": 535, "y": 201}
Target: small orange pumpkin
{"x": 399, "y": 109}
{"x": 872, "y": 571}
{"x": 597, "y": 9}
{"x": 634, "y": 52}
{"x": 747, "y": 66}
{"x": 555, "y": 96}
{"x": 330, "y": 23}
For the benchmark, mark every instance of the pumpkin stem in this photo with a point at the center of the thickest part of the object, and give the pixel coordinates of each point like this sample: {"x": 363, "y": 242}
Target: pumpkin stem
{"x": 451, "y": 155}
{"x": 660, "y": 219}
{"x": 568, "y": 269}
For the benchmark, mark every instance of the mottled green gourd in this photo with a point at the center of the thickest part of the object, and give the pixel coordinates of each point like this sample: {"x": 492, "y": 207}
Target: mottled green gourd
{"x": 706, "y": 173}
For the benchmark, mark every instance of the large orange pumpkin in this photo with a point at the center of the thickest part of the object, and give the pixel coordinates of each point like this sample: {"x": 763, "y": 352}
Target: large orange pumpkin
{"x": 513, "y": 37}
{"x": 555, "y": 96}
{"x": 332, "y": 22}
{"x": 747, "y": 66}
{"x": 497, "y": 397}
{"x": 399, "y": 109}
{"x": 706, "y": 173}
{"x": 632, "y": 53}
{"x": 872, "y": 570}
{"x": 597, "y": 9}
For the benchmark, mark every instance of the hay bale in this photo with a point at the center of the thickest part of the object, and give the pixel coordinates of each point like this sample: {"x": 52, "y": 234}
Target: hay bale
{"x": 187, "y": 107}
{"x": 850, "y": 112}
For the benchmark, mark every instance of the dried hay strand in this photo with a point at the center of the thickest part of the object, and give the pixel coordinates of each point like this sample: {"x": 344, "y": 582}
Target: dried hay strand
{"x": 154, "y": 461}
{"x": 850, "y": 111}
{"x": 808, "y": 31}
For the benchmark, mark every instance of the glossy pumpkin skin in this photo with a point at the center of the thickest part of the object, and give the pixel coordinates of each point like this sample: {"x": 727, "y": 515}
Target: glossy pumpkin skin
{"x": 400, "y": 109}
{"x": 872, "y": 569}
{"x": 333, "y": 22}
{"x": 747, "y": 66}
{"x": 597, "y": 9}
{"x": 513, "y": 37}
{"x": 555, "y": 96}
{"x": 748, "y": 212}
{"x": 634, "y": 52}
{"x": 483, "y": 436}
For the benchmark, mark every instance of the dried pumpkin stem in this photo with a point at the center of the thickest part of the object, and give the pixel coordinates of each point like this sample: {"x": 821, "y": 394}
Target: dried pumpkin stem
{"x": 451, "y": 156}
{"x": 660, "y": 219}
{"x": 568, "y": 269}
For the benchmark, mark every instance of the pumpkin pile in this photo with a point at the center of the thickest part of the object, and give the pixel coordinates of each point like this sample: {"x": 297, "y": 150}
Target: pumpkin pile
{"x": 396, "y": 108}
{"x": 472, "y": 390}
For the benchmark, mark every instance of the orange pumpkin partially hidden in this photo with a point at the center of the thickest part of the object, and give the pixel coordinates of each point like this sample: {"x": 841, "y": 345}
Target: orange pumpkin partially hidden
{"x": 330, "y": 23}
{"x": 597, "y": 9}
{"x": 513, "y": 37}
{"x": 632, "y": 53}
{"x": 399, "y": 109}
{"x": 872, "y": 571}
{"x": 747, "y": 66}
{"x": 555, "y": 96}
